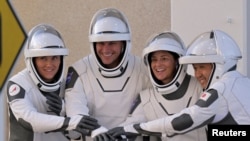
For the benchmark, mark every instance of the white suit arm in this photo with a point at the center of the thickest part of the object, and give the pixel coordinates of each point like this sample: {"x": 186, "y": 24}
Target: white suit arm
{"x": 75, "y": 97}
{"x": 206, "y": 110}
{"x": 137, "y": 116}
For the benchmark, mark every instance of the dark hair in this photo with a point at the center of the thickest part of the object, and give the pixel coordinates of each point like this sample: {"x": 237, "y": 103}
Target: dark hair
{"x": 175, "y": 56}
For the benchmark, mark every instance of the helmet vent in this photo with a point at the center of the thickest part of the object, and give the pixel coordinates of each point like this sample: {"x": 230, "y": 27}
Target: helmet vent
{"x": 177, "y": 84}
{"x": 121, "y": 69}
{"x": 39, "y": 85}
{"x": 212, "y": 35}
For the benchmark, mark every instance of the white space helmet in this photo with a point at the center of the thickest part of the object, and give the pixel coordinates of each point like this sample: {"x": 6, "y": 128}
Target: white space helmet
{"x": 171, "y": 42}
{"x": 44, "y": 40}
{"x": 110, "y": 24}
{"x": 215, "y": 47}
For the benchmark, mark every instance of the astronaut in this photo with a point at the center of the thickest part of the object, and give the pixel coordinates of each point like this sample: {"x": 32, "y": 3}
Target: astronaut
{"x": 173, "y": 89}
{"x": 105, "y": 83}
{"x": 225, "y": 99}
{"x": 35, "y": 94}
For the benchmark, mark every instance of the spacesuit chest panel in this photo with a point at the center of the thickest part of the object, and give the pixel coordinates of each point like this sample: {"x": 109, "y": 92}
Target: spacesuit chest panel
{"x": 112, "y": 84}
{"x": 32, "y": 93}
{"x": 156, "y": 106}
{"x": 110, "y": 99}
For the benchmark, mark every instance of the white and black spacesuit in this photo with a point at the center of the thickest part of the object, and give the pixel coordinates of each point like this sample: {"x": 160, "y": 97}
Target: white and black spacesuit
{"x": 36, "y": 109}
{"x": 226, "y": 99}
{"x": 167, "y": 99}
{"x": 106, "y": 94}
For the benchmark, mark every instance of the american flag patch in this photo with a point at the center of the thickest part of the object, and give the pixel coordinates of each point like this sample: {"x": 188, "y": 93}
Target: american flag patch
{"x": 205, "y": 96}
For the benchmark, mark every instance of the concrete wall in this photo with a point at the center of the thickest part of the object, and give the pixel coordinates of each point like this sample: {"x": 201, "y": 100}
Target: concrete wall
{"x": 192, "y": 17}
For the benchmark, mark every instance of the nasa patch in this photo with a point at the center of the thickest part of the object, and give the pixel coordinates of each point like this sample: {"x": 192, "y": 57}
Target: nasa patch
{"x": 69, "y": 77}
{"x": 205, "y": 96}
{"x": 14, "y": 89}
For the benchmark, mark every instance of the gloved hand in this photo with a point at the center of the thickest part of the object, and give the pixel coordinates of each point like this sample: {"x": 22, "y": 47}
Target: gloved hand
{"x": 98, "y": 131}
{"x": 104, "y": 137}
{"x": 123, "y": 132}
{"x": 72, "y": 135}
{"x": 86, "y": 125}
{"x": 55, "y": 103}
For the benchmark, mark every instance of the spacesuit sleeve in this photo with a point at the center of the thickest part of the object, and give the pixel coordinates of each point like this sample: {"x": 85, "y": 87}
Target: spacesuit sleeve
{"x": 75, "y": 98}
{"x": 203, "y": 112}
{"x": 27, "y": 115}
{"x": 146, "y": 80}
{"x": 136, "y": 114}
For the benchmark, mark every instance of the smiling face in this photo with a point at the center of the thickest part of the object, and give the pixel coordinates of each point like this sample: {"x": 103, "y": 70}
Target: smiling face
{"x": 202, "y": 72}
{"x": 47, "y": 67}
{"x": 109, "y": 52}
{"x": 163, "y": 65}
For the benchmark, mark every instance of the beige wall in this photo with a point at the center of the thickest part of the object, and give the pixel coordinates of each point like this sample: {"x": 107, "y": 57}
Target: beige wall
{"x": 72, "y": 19}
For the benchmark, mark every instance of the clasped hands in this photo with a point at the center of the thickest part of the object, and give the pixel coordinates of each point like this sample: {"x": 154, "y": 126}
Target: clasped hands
{"x": 86, "y": 125}
{"x": 118, "y": 134}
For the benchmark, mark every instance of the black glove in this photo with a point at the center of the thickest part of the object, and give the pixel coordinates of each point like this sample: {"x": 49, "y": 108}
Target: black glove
{"x": 55, "y": 103}
{"x": 86, "y": 125}
{"x": 104, "y": 137}
{"x": 72, "y": 135}
{"x": 119, "y": 132}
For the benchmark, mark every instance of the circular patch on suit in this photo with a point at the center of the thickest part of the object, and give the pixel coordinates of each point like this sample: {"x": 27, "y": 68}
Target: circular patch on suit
{"x": 14, "y": 89}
